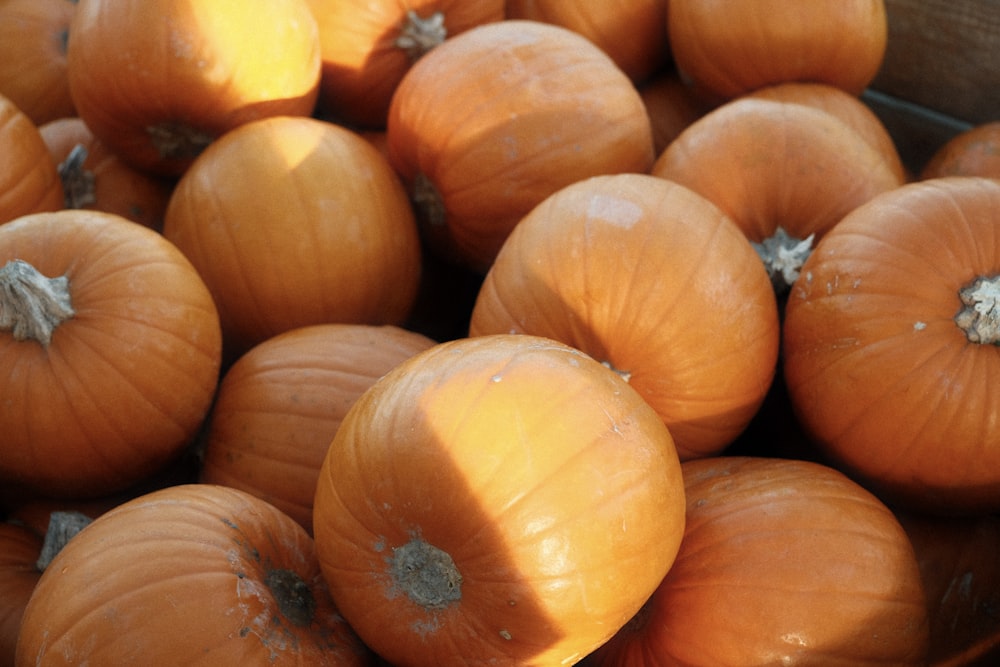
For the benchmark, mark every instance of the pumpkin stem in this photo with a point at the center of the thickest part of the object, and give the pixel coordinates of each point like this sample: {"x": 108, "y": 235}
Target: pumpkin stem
{"x": 419, "y": 35}
{"x": 426, "y": 574}
{"x": 63, "y": 526}
{"x": 32, "y": 305}
{"x": 178, "y": 141}
{"x": 783, "y": 256}
{"x": 77, "y": 182}
{"x": 295, "y": 598}
{"x": 979, "y": 316}
{"x": 427, "y": 201}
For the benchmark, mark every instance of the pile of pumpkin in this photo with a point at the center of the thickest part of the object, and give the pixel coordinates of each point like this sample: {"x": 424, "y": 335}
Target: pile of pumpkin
{"x": 487, "y": 333}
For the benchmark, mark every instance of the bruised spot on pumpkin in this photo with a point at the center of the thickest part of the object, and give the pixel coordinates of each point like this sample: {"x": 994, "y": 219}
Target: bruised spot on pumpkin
{"x": 294, "y": 597}
{"x": 426, "y": 574}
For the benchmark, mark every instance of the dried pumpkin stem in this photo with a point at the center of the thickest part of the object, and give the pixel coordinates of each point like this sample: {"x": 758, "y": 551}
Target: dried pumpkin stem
{"x": 63, "y": 526}
{"x": 979, "y": 316}
{"x": 178, "y": 141}
{"x": 78, "y": 183}
{"x": 32, "y": 305}
{"x": 426, "y": 574}
{"x": 427, "y": 201}
{"x": 783, "y": 256}
{"x": 420, "y": 35}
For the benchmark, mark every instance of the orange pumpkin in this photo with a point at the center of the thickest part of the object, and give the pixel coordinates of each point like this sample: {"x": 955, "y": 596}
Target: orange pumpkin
{"x": 783, "y": 562}
{"x": 672, "y": 105}
{"x": 19, "y": 551}
{"x": 157, "y": 80}
{"x": 294, "y": 221}
{"x": 496, "y": 500}
{"x": 494, "y": 120}
{"x": 368, "y": 46}
{"x": 632, "y": 32}
{"x": 650, "y": 278}
{"x": 96, "y": 178}
{"x": 33, "y": 35}
{"x": 110, "y": 351}
{"x": 890, "y": 344}
{"x": 192, "y": 574}
{"x": 973, "y": 152}
{"x": 29, "y": 181}
{"x": 730, "y": 47}
{"x": 279, "y": 406}
{"x": 784, "y": 172}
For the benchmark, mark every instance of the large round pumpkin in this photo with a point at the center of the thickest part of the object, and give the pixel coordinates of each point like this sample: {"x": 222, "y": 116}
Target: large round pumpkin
{"x": 29, "y": 180}
{"x": 496, "y": 500}
{"x": 294, "y": 221}
{"x": 652, "y": 279}
{"x": 783, "y": 562}
{"x": 488, "y": 124}
{"x": 110, "y": 350}
{"x": 279, "y": 406}
{"x": 730, "y": 47}
{"x": 188, "y": 575}
{"x": 890, "y": 344}
{"x": 158, "y": 80}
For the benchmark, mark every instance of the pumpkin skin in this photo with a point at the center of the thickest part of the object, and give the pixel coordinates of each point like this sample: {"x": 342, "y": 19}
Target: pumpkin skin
{"x": 672, "y": 105}
{"x": 782, "y": 562}
{"x": 974, "y": 152}
{"x": 19, "y": 550}
{"x": 778, "y": 169}
{"x": 33, "y": 36}
{"x": 368, "y": 47}
{"x": 544, "y": 494}
{"x": 191, "y": 574}
{"x": 279, "y": 406}
{"x": 332, "y": 240}
{"x": 99, "y": 180}
{"x": 876, "y": 326}
{"x": 492, "y": 121}
{"x": 731, "y": 47}
{"x": 157, "y": 80}
{"x": 652, "y": 279}
{"x": 632, "y": 32}
{"x": 29, "y": 181}
{"x": 78, "y": 423}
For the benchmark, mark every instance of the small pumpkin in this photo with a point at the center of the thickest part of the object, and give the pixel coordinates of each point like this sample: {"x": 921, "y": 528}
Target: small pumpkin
{"x": 368, "y": 47}
{"x": 632, "y": 32}
{"x": 294, "y": 221}
{"x": 33, "y": 35}
{"x": 157, "y": 80}
{"x": 492, "y": 121}
{"x": 783, "y": 562}
{"x": 279, "y": 406}
{"x": 653, "y": 280}
{"x": 785, "y": 172}
{"x": 29, "y": 180}
{"x": 731, "y": 47}
{"x": 893, "y": 321}
{"x": 192, "y": 574}
{"x": 94, "y": 177}
{"x": 972, "y": 152}
{"x": 496, "y": 500}
{"x": 110, "y": 350}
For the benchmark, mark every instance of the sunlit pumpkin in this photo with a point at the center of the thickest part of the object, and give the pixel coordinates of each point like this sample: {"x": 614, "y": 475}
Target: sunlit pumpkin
{"x": 652, "y": 279}
{"x": 496, "y": 500}
{"x": 890, "y": 344}
{"x": 29, "y": 180}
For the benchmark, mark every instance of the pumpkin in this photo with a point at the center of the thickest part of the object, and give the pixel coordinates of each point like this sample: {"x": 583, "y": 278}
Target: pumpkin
{"x": 368, "y": 47}
{"x": 961, "y": 574}
{"x": 279, "y": 406}
{"x": 157, "y": 80}
{"x": 893, "y": 321}
{"x": 731, "y": 47}
{"x": 33, "y": 35}
{"x": 110, "y": 347}
{"x": 29, "y": 181}
{"x": 632, "y": 32}
{"x": 972, "y": 152}
{"x": 496, "y": 500}
{"x": 784, "y": 172}
{"x": 672, "y": 105}
{"x": 191, "y": 574}
{"x": 19, "y": 550}
{"x": 783, "y": 562}
{"x": 653, "y": 280}
{"x": 492, "y": 121}
{"x": 293, "y": 221}
{"x": 94, "y": 177}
